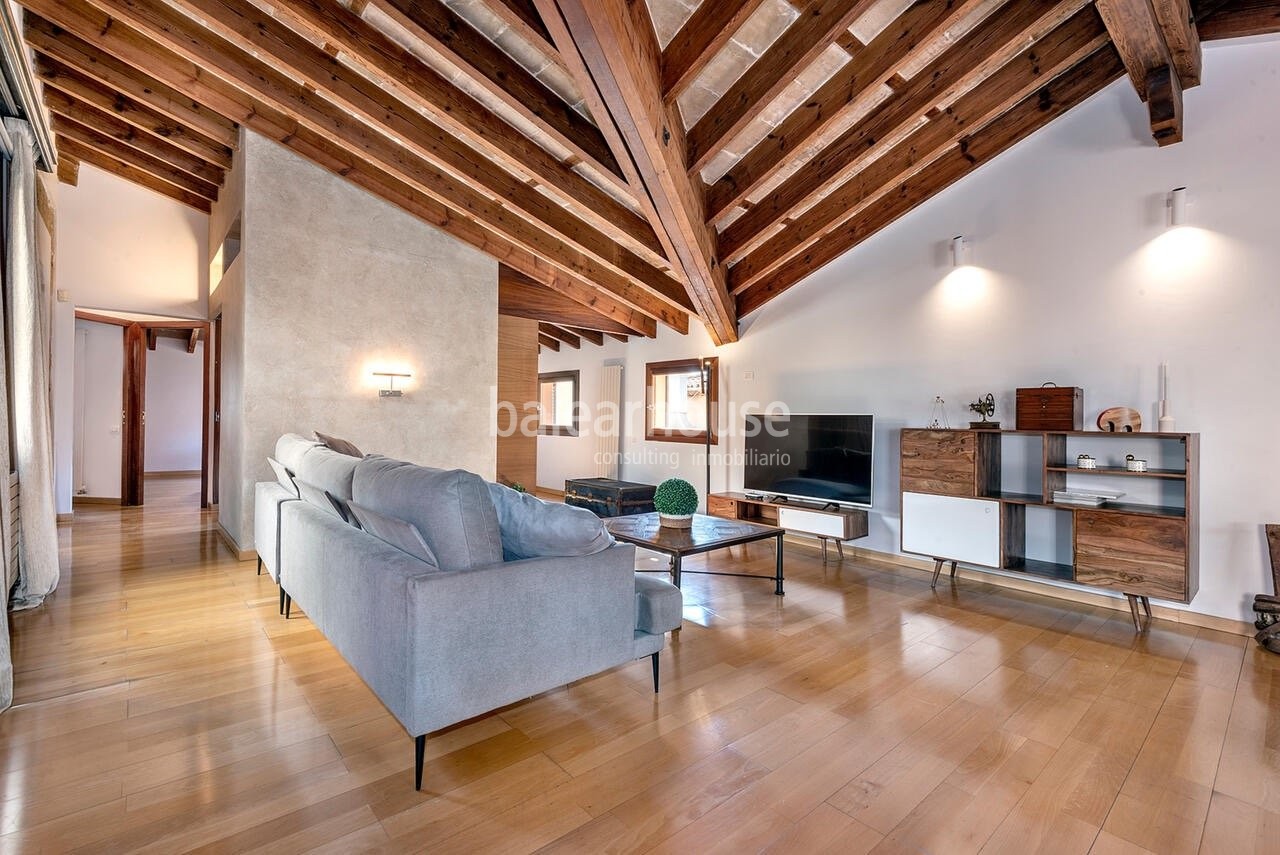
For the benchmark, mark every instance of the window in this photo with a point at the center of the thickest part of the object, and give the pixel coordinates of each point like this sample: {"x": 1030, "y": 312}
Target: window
{"x": 558, "y": 403}
{"x": 676, "y": 408}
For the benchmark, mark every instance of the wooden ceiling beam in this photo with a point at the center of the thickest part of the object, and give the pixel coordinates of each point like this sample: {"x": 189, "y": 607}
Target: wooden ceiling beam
{"x": 548, "y": 341}
{"x": 819, "y": 24}
{"x": 255, "y": 84}
{"x": 193, "y": 340}
{"x": 1141, "y": 42}
{"x": 616, "y": 337}
{"x": 1056, "y": 53}
{"x": 615, "y": 43}
{"x": 1239, "y": 19}
{"x": 1177, "y": 22}
{"x": 69, "y": 129}
{"x": 417, "y": 84}
{"x": 523, "y": 18}
{"x": 67, "y": 81}
{"x": 81, "y": 55}
{"x": 846, "y": 91}
{"x": 249, "y": 29}
{"x": 562, "y": 334}
{"x": 703, "y": 35}
{"x": 75, "y": 22}
{"x": 966, "y": 58}
{"x": 521, "y": 297}
{"x": 1034, "y": 112}
{"x": 68, "y": 169}
{"x": 68, "y": 147}
{"x": 61, "y": 104}
{"x": 593, "y": 336}
{"x": 487, "y": 65}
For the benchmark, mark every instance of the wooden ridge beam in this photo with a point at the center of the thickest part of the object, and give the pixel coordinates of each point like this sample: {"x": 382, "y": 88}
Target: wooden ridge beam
{"x": 1241, "y": 18}
{"x": 1058, "y": 51}
{"x": 707, "y": 30}
{"x": 68, "y": 169}
{"x": 620, "y": 58}
{"x": 1177, "y": 22}
{"x": 592, "y": 336}
{"x": 47, "y": 39}
{"x": 61, "y": 104}
{"x": 521, "y": 297}
{"x": 505, "y": 79}
{"x": 70, "y": 129}
{"x": 561, "y": 334}
{"x": 846, "y": 91}
{"x": 1034, "y": 112}
{"x": 86, "y": 90}
{"x": 68, "y": 147}
{"x": 966, "y": 58}
{"x": 248, "y": 29}
{"x": 179, "y": 75}
{"x": 254, "y": 84}
{"x": 1141, "y": 42}
{"x": 417, "y": 84}
{"x": 547, "y": 341}
{"x": 819, "y": 24}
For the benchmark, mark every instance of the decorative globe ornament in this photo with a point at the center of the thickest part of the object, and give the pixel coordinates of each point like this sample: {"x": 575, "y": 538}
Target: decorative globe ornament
{"x": 676, "y": 501}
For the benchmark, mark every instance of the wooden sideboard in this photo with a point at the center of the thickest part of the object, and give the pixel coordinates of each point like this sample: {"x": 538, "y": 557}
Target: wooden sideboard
{"x": 822, "y": 521}
{"x": 966, "y": 498}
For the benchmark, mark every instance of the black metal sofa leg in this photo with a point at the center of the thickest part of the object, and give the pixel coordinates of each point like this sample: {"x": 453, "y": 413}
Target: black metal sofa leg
{"x": 420, "y": 745}
{"x": 259, "y": 565}
{"x": 282, "y": 601}
{"x": 288, "y": 605}
{"x": 654, "y": 658}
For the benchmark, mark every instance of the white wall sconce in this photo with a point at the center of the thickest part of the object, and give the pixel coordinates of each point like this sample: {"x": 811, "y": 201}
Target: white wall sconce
{"x": 960, "y": 252}
{"x": 391, "y": 391}
{"x": 1177, "y": 207}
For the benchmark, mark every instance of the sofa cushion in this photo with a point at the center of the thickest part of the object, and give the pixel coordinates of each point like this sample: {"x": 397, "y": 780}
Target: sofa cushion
{"x": 290, "y": 448}
{"x": 338, "y": 444}
{"x": 283, "y": 476}
{"x": 451, "y": 508}
{"x": 328, "y": 470}
{"x": 659, "y": 605}
{"x": 322, "y": 499}
{"x": 404, "y": 536}
{"x": 532, "y": 528}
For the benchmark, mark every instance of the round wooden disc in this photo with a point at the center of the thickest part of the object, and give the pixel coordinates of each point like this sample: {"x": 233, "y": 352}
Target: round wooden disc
{"x": 1120, "y": 420}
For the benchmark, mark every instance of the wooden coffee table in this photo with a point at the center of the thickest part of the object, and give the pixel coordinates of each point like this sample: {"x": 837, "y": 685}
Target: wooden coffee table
{"x": 706, "y": 534}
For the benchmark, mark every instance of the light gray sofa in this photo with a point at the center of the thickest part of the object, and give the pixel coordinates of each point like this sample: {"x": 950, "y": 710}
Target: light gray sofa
{"x": 442, "y": 642}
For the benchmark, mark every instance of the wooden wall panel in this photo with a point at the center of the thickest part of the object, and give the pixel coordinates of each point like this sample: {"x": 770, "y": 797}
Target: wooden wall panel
{"x": 517, "y": 387}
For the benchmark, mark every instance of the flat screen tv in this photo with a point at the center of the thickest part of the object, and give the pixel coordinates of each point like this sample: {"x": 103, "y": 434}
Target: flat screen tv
{"x": 826, "y": 458}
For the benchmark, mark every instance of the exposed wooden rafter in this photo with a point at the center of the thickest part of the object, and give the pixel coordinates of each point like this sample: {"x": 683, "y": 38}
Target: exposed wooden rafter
{"x": 68, "y": 169}
{"x": 1240, "y": 18}
{"x": 708, "y": 30}
{"x": 1143, "y": 40}
{"x": 560, "y": 334}
{"x": 522, "y": 297}
{"x": 548, "y": 341}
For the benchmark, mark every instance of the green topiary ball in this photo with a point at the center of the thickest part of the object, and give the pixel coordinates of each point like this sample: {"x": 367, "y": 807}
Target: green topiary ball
{"x": 675, "y": 497}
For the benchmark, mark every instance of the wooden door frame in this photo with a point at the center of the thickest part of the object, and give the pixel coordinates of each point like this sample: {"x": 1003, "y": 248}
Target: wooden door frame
{"x": 135, "y": 361}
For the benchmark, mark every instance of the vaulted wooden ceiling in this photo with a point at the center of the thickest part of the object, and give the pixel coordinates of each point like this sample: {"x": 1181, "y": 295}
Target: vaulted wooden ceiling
{"x": 629, "y": 164}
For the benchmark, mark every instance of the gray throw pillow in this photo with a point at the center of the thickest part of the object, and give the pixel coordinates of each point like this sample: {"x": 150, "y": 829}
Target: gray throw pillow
{"x": 532, "y": 528}
{"x": 283, "y": 476}
{"x": 404, "y": 536}
{"x": 313, "y": 495}
{"x": 339, "y": 445}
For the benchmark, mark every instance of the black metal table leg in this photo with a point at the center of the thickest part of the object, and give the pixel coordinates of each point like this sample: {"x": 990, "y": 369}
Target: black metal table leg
{"x": 675, "y": 569}
{"x": 778, "y": 566}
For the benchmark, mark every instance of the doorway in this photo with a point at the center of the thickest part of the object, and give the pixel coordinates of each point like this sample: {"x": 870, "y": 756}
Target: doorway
{"x": 157, "y": 426}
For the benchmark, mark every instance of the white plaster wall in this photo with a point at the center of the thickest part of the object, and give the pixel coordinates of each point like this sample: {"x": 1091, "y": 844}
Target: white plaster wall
{"x": 97, "y": 406}
{"x": 1077, "y": 280}
{"x": 175, "y": 383}
{"x": 337, "y": 284}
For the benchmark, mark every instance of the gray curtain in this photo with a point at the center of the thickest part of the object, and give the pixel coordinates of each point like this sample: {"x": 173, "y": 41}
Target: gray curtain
{"x": 29, "y": 319}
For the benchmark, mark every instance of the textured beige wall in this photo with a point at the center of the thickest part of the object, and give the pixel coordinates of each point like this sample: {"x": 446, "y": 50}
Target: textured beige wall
{"x": 337, "y": 284}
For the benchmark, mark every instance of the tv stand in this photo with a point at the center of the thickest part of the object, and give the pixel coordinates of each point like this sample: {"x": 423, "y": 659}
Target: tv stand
{"x": 825, "y": 522}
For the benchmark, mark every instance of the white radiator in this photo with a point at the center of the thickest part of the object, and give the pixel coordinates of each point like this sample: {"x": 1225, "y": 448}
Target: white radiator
{"x": 608, "y": 427}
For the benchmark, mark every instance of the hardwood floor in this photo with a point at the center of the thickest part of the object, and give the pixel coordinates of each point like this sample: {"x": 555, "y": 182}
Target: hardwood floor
{"x": 162, "y": 705}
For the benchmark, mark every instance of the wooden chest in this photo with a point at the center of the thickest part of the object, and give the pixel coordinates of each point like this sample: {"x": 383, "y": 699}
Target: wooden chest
{"x": 1050, "y": 408}
{"x": 608, "y": 497}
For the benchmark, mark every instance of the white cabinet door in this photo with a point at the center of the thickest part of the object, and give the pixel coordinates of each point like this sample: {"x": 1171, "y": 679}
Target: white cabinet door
{"x": 965, "y": 530}
{"x": 811, "y": 522}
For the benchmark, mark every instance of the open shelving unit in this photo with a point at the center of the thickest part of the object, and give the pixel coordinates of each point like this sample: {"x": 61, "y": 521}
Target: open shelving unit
{"x": 985, "y": 498}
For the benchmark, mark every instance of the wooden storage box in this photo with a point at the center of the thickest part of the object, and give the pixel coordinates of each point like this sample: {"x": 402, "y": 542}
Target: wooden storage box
{"x": 608, "y": 497}
{"x": 1050, "y": 408}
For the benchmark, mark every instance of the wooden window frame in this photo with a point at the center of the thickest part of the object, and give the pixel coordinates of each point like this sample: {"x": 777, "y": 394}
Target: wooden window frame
{"x": 552, "y": 377}
{"x": 681, "y": 366}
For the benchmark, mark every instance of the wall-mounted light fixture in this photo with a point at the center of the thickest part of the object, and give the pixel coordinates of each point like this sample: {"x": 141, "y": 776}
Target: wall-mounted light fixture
{"x": 959, "y": 251}
{"x": 391, "y": 391}
{"x": 1177, "y": 207}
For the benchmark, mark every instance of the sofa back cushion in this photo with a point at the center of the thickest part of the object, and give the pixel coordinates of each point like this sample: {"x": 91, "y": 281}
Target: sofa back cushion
{"x": 532, "y": 528}
{"x": 450, "y": 508}
{"x": 290, "y": 449}
{"x": 322, "y": 499}
{"x": 328, "y": 470}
